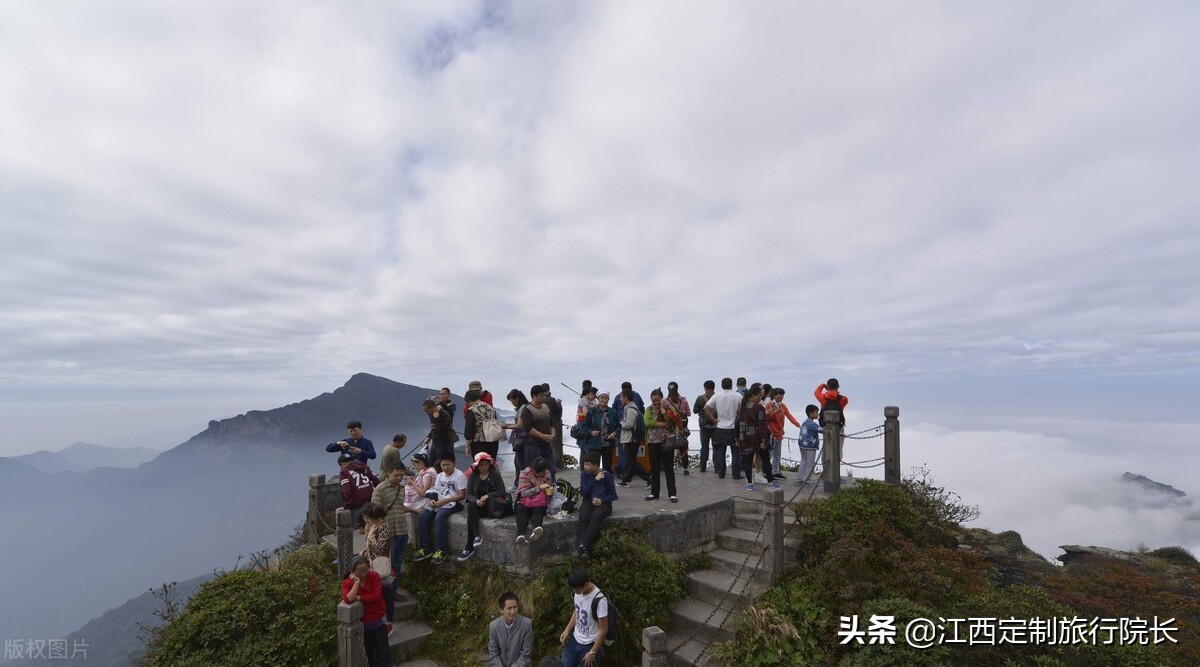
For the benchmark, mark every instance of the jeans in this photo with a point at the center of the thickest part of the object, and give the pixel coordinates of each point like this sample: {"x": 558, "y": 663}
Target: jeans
{"x": 723, "y": 438}
{"x": 661, "y": 461}
{"x": 591, "y": 518}
{"x": 399, "y": 547}
{"x": 776, "y": 453}
{"x": 442, "y": 517}
{"x": 706, "y": 437}
{"x": 573, "y": 652}
{"x": 748, "y": 463}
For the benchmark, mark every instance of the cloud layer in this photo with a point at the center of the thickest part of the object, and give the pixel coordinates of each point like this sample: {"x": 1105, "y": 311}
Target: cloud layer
{"x": 272, "y": 194}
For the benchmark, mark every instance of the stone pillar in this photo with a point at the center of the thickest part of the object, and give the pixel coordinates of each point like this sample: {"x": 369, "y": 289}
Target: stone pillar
{"x": 654, "y": 647}
{"x": 891, "y": 444}
{"x": 316, "y": 509}
{"x": 773, "y": 533}
{"x": 351, "y": 652}
{"x": 832, "y": 459}
{"x": 345, "y": 541}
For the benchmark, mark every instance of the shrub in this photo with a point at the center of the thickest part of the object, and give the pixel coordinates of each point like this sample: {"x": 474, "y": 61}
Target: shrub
{"x": 1176, "y": 555}
{"x": 786, "y": 626}
{"x": 254, "y": 617}
{"x": 898, "y": 653}
{"x": 459, "y": 602}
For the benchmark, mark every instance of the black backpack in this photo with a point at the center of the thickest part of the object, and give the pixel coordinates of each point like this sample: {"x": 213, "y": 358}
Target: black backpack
{"x": 614, "y": 618}
{"x": 639, "y": 426}
{"x": 833, "y": 405}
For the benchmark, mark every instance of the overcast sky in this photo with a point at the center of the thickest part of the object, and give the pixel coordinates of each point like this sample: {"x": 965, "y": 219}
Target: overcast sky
{"x": 212, "y": 209}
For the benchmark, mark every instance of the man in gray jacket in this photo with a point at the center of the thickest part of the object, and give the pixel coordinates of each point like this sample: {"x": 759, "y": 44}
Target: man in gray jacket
{"x": 510, "y": 636}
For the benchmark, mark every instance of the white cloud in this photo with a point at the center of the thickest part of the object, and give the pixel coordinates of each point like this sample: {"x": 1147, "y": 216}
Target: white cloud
{"x": 260, "y": 193}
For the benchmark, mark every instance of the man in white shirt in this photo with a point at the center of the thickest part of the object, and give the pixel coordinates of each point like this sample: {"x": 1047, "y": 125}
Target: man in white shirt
{"x": 722, "y": 409}
{"x": 583, "y": 638}
{"x": 450, "y": 487}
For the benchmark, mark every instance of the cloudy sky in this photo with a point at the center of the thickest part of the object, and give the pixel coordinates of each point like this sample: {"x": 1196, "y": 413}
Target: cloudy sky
{"x": 974, "y": 210}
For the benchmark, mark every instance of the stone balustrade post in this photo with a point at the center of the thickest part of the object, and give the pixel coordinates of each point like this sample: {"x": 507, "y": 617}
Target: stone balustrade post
{"x": 832, "y": 460}
{"x": 350, "y": 635}
{"x": 773, "y": 533}
{"x": 316, "y": 509}
{"x": 891, "y": 444}
{"x": 345, "y": 541}
{"x": 654, "y": 647}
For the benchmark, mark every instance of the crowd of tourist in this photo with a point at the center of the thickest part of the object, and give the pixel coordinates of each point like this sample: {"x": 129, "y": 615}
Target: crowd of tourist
{"x": 412, "y": 504}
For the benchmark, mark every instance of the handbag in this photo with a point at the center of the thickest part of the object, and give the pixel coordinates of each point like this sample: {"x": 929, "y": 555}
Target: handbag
{"x": 499, "y": 507}
{"x": 453, "y": 436}
{"x": 674, "y": 443}
{"x": 492, "y": 431}
{"x": 383, "y": 567}
{"x": 538, "y": 499}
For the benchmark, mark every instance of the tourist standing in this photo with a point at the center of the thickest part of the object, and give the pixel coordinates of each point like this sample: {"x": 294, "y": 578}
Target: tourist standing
{"x": 722, "y": 409}
{"x": 708, "y": 427}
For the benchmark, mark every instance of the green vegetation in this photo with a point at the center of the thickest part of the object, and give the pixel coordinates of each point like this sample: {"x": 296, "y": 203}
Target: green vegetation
{"x": 900, "y": 551}
{"x": 261, "y": 616}
{"x": 459, "y": 602}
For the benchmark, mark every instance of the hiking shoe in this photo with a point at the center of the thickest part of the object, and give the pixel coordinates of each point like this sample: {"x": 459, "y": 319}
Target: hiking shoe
{"x": 478, "y": 541}
{"x": 535, "y": 533}
{"x": 674, "y": 499}
{"x": 749, "y": 487}
{"x": 521, "y": 540}
{"x": 420, "y": 554}
{"x": 778, "y": 476}
{"x": 437, "y": 558}
{"x": 465, "y": 555}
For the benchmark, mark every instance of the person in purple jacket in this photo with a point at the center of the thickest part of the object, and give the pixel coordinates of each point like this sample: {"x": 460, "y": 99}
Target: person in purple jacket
{"x": 598, "y": 491}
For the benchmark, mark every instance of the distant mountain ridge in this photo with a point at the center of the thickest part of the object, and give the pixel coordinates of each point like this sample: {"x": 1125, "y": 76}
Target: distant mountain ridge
{"x": 234, "y": 488}
{"x": 82, "y": 457}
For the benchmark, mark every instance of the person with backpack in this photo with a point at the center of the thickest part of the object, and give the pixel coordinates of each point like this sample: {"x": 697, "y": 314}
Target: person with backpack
{"x": 590, "y": 628}
{"x": 633, "y": 432}
{"x": 588, "y": 423}
{"x": 597, "y": 494}
{"x": 622, "y": 460}
{"x": 708, "y": 427}
{"x": 610, "y": 431}
{"x": 831, "y": 400}
{"x": 480, "y": 428}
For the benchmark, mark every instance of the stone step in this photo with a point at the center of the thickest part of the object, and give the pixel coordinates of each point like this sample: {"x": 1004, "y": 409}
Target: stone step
{"x": 407, "y": 639}
{"x": 702, "y": 621}
{"x": 684, "y": 652}
{"x": 405, "y": 607}
{"x": 749, "y": 541}
{"x": 740, "y": 564}
{"x": 755, "y": 522}
{"x": 721, "y": 588}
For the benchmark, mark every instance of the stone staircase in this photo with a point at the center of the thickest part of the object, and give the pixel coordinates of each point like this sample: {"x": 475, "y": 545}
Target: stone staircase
{"x": 409, "y": 634}
{"x": 716, "y": 596}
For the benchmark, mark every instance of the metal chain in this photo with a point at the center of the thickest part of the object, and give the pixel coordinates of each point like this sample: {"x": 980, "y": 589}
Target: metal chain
{"x": 876, "y": 431}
